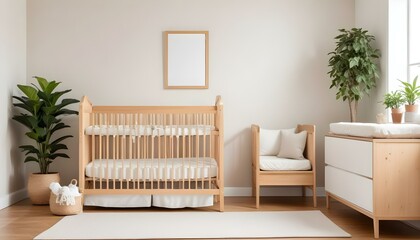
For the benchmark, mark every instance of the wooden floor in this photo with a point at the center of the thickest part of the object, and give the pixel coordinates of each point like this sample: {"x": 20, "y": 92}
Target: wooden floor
{"x": 25, "y": 221}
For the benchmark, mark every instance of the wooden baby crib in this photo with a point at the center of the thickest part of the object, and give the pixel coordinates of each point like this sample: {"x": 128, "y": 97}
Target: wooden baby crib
{"x": 156, "y": 150}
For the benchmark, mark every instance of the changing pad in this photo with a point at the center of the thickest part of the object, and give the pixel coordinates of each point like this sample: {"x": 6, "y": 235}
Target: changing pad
{"x": 374, "y": 130}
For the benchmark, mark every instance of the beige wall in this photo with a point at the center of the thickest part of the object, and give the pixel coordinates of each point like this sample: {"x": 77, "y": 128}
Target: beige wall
{"x": 373, "y": 16}
{"x": 12, "y": 72}
{"x": 268, "y": 60}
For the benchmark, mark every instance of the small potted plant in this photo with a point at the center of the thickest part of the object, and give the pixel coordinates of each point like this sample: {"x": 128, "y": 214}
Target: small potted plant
{"x": 411, "y": 94}
{"x": 42, "y": 116}
{"x": 394, "y": 100}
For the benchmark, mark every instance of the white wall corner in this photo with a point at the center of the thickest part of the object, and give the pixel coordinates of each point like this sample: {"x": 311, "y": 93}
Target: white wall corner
{"x": 271, "y": 191}
{"x": 12, "y": 198}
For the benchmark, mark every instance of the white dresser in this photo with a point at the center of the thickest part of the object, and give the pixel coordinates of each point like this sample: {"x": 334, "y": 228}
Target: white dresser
{"x": 377, "y": 177}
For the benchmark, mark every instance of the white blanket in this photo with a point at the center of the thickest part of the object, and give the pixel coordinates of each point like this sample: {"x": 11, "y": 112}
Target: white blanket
{"x": 374, "y": 130}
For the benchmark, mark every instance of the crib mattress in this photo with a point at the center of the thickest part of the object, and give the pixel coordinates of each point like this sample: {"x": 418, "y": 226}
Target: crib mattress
{"x": 152, "y": 169}
{"x": 374, "y": 130}
{"x": 149, "y": 130}
{"x": 274, "y": 163}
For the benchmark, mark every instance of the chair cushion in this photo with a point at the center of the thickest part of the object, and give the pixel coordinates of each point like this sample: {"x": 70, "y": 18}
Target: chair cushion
{"x": 273, "y": 163}
{"x": 270, "y": 141}
{"x": 292, "y": 144}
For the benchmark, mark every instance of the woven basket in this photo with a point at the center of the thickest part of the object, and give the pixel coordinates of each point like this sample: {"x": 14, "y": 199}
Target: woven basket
{"x": 64, "y": 209}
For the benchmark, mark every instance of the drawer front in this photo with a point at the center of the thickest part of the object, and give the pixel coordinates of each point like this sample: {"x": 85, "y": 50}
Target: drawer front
{"x": 351, "y": 187}
{"x": 350, "y": 155}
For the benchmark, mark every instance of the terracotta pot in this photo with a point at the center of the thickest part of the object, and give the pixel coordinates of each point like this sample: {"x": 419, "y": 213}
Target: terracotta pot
{"x": 397, "y": 115}
{"x": 39, "y": 187}
{"x": 411, "y": 108}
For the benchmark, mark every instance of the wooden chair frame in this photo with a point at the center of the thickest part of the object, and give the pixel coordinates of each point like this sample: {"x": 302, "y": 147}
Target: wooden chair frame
{"x": 284, "y": 178}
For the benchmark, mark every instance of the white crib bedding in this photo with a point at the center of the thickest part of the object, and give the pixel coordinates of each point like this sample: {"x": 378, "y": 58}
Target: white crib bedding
{"x": 182, "y": 201}
{"x": 149, "y": 130}
{"x": 146, "y": 200}
{"x": 152, "y": 169}
{"x": 374, "y": 130}
{"x": 118, "y": 201}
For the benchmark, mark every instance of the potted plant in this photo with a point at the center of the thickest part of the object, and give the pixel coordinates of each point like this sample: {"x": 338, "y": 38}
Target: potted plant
{"x": 394, "y": 100}
{"x": 411, "y": 93}
{"x": 42, "y": 115}
{"x": 353, "y": 67}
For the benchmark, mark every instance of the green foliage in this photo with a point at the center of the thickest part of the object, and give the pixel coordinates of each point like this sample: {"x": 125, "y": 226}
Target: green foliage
{"x": 393, "y": 100}
{"x": 353, "y": 68}
{"x": 411, "y": 92}
{"x": 42, "y": 116}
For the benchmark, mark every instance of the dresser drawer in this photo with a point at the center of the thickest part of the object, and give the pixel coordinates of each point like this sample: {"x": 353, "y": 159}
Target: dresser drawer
{"x": 350, "y": 155}
{"x": 351, "y": 187}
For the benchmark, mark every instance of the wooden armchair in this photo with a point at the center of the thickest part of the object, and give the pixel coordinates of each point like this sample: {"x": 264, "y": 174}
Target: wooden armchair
{"x": 281, "y": 177}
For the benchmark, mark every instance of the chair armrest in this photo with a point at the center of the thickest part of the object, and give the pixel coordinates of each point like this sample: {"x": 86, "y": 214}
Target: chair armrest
{"x": 255, "y": 142}
{"x": 310, "y": 142}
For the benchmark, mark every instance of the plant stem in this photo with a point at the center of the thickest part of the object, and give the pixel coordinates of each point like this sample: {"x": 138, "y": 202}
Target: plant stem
{"x": 353, "y": 110}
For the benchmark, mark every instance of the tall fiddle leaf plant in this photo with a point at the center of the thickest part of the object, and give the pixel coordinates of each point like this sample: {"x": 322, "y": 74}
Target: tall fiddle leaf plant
{"x": 42, "y": 115}
{"x": 353, "y": 67}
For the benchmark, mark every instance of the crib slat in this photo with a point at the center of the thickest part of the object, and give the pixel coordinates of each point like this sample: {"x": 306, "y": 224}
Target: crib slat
{"x": 197, "y": 138}
{"x": 100, "y": 149}
{"x": 93, "y": 151}
{"x": 107, "y": 123}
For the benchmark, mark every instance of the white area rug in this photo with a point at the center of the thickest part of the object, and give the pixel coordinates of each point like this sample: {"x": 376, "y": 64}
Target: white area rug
{"x": 151, "y": 225}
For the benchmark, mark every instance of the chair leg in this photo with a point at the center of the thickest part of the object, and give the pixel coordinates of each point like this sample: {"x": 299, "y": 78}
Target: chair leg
{"x": 327, "y": 200}
{"x": 257, "y": 197}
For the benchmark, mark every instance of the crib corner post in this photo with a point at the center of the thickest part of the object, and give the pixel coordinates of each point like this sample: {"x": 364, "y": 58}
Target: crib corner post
{"x": 85, "y": 110}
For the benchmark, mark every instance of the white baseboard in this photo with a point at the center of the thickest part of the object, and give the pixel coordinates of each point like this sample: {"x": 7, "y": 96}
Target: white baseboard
{"x": 271, "y": 191}
{"x": 12, "y": 198}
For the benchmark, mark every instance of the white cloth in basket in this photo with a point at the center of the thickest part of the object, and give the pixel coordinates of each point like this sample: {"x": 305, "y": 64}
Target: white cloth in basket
{"x": 66, "y": 194}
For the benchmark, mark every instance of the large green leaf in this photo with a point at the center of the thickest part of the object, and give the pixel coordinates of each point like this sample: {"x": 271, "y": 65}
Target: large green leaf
{"x": 29, "y": 91}
{"x": 33, "y": 135}
{"x": 49, "y": 120}
{"x": 31, "y": 159}
{"x": 65, "y": 112}
{"x": 29, "y": 149}
{"x": 51, "y": 86}
{"x": 61, "y": 139}
{"x": 43, "y": 83}
{"x": 58, "y": 127}
{"x": 57, "y": 147}
{"x": 55, "y": 155}
{"x": 41, "y": 132}
{"x": 23, "y": 119}
{"x": 66, "y": 101}
{"x": 23, "y": 106}
{"x": 56, "y": 95}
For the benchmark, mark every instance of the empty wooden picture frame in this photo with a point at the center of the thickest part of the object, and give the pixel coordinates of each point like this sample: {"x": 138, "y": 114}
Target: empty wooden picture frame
{"x": 186, "y": 59}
